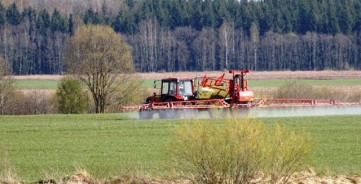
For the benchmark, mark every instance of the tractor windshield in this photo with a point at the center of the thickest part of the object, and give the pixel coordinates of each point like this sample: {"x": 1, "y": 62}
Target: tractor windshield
{"x": 177, "y": 87}
{"x": 185, "y": 88}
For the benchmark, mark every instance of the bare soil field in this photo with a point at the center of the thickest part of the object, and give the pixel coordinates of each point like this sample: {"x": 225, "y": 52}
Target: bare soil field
{"x": 328, "y": 74}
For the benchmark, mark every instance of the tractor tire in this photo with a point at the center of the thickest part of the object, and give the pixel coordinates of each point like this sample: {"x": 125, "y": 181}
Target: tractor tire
{"x": 169, "y": 114}
{"x": 190, "y": 113}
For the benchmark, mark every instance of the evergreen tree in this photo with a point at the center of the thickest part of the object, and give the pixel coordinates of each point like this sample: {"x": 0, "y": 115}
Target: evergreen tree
{"x": 323, "y": 33}
{"x": 130, "y": 3}
{"x": 124, "y": 23}
{"x": 31, "y": 36}
{"x": 208, "y": 17}
{"x": 71, "y": 28}
{"x": 235, "y": 13}
{"x": 346, "y": 16}
{"x": 2, "y": 14}
{"x": 332, "y": 25}
{"x": 247, "y": 16}
{"x": 308, "y": 16}
{"x": 43, "y": 22}
{"x": 58, "y": 22}
{"x": 177, "y": 15}
{"x": 146, "y": 10}
{"x": 30, "y": 14}
{"x": 13, "y": 15}
{"x": 43, "y": 54}
{"x": 92, "y": 17}
{"x": 196, "y": 14}
{"x": 88, "y": 17}
{"x": 357, "y": 26}
{"x": 105, "y": 15}
{"x": 223, "y": 12}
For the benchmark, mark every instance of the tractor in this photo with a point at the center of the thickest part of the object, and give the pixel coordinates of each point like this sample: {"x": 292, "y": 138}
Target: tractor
{"x": 190, "y": 95}
{"x": 176, "y": 95}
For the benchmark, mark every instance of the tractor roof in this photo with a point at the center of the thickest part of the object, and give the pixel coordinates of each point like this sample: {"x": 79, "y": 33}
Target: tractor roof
{"x": 177, "y": 78}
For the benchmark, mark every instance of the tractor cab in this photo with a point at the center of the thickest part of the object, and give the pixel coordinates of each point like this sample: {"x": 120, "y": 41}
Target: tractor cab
{"x": 176, "y": 89}
{"x": 173, "y": 89}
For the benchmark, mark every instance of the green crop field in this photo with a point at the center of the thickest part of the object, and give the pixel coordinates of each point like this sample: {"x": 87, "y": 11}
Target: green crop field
{"x": 279, "y": 82}
{"x": 105, "y": 145}
{"x": 312, "y": 82}
{"x": 36, "y": 84}
{"x": 148, "y": 83}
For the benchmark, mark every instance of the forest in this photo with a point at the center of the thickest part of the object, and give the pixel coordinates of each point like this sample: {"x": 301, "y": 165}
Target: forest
{"x": 189, "y": 35}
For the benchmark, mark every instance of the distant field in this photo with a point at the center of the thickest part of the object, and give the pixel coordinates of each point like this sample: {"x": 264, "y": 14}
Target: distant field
{"x": 106, "y": 145}
{"x": 280, "y": 82}
{"x": 52, "y": 84}
{"x": 256, "y": 79}
{"x": 36, "y": 84}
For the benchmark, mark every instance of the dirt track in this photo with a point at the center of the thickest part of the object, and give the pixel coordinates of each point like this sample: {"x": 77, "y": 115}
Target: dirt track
{"x": 307, "y": 177}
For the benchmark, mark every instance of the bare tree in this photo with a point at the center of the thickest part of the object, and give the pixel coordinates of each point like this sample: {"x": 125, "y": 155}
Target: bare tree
{"x": 102, "y": 60}
{"x": 149, "y": 30}
{"x": 255, "y": 42}
{"x": 167, "y": 47}
{"x": 226, "y": 36}
{"x": 204, "y": 47}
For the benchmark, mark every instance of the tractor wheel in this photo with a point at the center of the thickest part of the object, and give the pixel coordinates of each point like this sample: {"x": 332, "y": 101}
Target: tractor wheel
{"x": 144, "y": 114}
{"x": 190, "y": 113}
{"x": 163, "y": 114}
{"x": 169, "y": 114}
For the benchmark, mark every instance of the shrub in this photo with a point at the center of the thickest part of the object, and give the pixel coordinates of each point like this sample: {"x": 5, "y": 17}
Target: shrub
{"x": 7, "y": 171}
{"x": 235, "y": 151}
{"x": 70, "y": 97}
{"x": 287, "y": 153}
{"x": 297, "y": 89}
{"x": 356, "y": 97}
{"x": 122, "y": 96}
{"x": 29, "y": 102}
{"x": 7, "y": 91}
{"x": 6, "y": 85}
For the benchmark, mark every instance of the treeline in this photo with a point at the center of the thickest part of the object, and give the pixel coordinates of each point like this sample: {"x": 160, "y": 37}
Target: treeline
{"x": 179, "y": 35}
